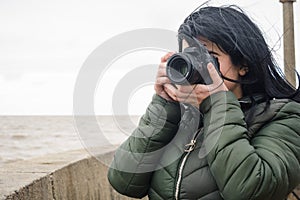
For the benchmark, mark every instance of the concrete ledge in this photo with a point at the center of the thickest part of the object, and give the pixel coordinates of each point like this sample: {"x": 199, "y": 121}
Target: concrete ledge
{"x": 73, "y": 175}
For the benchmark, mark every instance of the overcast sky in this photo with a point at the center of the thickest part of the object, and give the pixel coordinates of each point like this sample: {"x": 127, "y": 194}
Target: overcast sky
{"x": 43, "y": 45}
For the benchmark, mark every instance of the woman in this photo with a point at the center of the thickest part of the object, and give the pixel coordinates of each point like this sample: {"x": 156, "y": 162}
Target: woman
{"x": 237, "y": 138}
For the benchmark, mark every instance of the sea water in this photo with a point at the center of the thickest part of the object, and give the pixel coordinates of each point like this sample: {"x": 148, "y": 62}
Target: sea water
{"x": 25, "y": 137}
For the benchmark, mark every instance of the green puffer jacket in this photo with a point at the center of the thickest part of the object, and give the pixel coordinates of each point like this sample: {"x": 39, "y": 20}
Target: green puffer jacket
{"x": 168, "y": 157}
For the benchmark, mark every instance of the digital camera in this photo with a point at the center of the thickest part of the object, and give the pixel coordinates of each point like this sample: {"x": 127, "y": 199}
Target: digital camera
{"x": 190, "y": 66}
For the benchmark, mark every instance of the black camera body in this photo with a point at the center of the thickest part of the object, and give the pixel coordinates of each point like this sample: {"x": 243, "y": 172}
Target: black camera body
{"x": 190, "y": 66}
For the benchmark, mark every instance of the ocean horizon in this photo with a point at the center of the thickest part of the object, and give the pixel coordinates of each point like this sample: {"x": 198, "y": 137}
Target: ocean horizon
{"x": 30, "y": 136}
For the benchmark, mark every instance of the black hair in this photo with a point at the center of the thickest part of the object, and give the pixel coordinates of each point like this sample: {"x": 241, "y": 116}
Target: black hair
{"x": 239, "y": 37}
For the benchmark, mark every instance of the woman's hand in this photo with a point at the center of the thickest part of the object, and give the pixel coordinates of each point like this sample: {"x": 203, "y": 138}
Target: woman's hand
{"x": 195, "y": 94}
{"x": 162, "y": 78}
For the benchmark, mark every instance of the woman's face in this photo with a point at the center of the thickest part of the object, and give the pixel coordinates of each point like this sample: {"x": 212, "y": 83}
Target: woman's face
{"x": 227, "y": 69}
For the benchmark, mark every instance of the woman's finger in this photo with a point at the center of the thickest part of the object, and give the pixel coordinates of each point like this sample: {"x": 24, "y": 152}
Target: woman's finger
{"x": 161, "y": 71}
{"x": 162, "y": 80}
{"x": 185, "y": 88}
{"x": 171, "y": 91}
{"x": 166, "y": 57}
{"x": 218, "y": 82}
{"x": 181, "y": 93}
{"x": 214, "y": 74}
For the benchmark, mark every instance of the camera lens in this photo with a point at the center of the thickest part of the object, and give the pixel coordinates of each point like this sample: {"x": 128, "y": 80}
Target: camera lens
{"x": 178, "y": 69}
{"x": 181, "y": 67}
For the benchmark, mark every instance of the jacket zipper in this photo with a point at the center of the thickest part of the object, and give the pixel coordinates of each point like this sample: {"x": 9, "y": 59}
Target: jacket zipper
{"x": 190, "y": 147}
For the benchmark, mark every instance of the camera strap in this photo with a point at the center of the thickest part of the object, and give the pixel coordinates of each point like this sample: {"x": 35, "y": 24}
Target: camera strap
{"x": 247, "y": 82}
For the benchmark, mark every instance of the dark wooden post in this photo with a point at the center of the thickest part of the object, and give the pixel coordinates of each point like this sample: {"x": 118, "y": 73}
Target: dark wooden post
{"x": 288, "y": 40}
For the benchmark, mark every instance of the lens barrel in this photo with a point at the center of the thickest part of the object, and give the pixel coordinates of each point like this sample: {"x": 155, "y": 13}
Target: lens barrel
{"x": 184, "y": 69}
{"x": 179, "y": 69}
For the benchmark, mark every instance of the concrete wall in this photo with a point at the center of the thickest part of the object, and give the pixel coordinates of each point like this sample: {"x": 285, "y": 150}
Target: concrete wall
{"x": 72, "y": 175}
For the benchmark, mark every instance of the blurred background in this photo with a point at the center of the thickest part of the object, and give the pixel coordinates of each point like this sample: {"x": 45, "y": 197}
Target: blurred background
{"x": 43, "y": 45}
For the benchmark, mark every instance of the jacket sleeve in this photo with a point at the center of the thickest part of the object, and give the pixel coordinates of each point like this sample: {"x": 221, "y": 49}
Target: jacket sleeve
{"x": 265, "y": 167}
{"x": 135, "y": 160}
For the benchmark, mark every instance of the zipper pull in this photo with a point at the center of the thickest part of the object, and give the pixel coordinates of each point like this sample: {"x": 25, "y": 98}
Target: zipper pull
{"x": 190, "y": 146}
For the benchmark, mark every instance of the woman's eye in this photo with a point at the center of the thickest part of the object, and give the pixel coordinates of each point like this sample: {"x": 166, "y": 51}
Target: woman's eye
{"x": 212, "y": 53}
{"x": 214, "y": 56}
